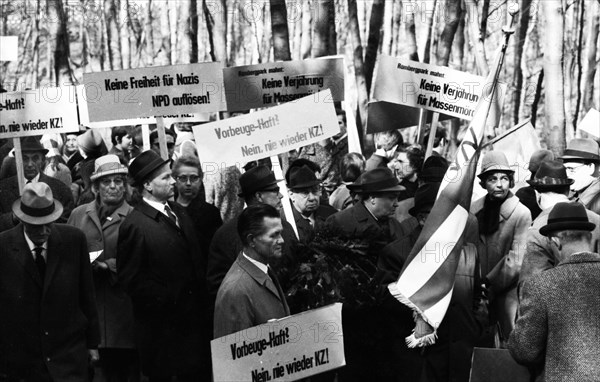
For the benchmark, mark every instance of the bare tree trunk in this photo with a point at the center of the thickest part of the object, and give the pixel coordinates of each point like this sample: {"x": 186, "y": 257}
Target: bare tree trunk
{"x": 537, "y": 97}
{"x": 531, "y": 64}
{"x": 216, "y": 21}
{"x": 458, "y": 48}
{"x": 36, "y": 47}
{"x": 411, "y": 35}
{"x": 164, "y": 52}
{"x": 388, "y": 29}
{"x": 590, "y": 64}
{"x": 192, "y": 30}
{"x": 477, "y": 37}
{"x": 297, "y": 23}
{"x": 59, "y": 42}
{"x": 377, "y": 11}
{"x": 430, "y": 31}
{"x": 453, "y": 15}
{"x": 396, "y": 21}
{"x": 174, "y": 32}
{"x": 113, "y": 38}
{"x": 125, "y": 34}
{"x": 553, "y": 40}
{"x": 279, "y": 26}
{"x": 519, "y": 42}
{"x": 324, "y": 29}
{"x": 579, "y": 47}
{"x": 148, "y": 39}
{"x": 307, "y": 18}
{"x": 485, "y": 11}
{"x": 359, "y": 74}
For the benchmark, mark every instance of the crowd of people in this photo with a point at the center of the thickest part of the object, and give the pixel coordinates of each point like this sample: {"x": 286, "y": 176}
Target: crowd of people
{"x": 121, "y": 265}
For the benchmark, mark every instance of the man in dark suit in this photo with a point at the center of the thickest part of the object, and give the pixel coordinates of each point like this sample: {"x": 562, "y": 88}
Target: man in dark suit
{"x": 34, "y": 160}
{"x": 250, "y": 294}
{"x": 558, "y": 323}
{"x": 48, "y": 321}
{"x": 160, "y": 264}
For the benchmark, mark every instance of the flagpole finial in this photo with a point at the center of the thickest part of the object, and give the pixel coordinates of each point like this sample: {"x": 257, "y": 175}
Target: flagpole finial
{"x": 513, "y": 8}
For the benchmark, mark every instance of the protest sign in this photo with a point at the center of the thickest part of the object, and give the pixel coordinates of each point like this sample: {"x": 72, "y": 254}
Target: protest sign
{"x": 431, "y": 87}
{"x": 590, "y": 124}
{"x": 155, "y": 91}
{"x": 35, "y": 112}
{"x": 267, "y": 132}
{"x": 385, "y": 116}
{"x": 288, "y": 349}
{"x": 265, "y": 85}
{"x": 9, "y": 48}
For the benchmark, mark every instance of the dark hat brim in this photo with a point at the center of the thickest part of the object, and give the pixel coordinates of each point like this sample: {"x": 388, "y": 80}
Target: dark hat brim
{"x": 308, "y": 184}
{"x": 566, "y": 225}
{"x": 504, "y": 170}
{"x": 262, "y": 188}
{"x": 591, "y": 158}
{"x": 37, "y": 220}
{"x": 139, "y": 178}
{"x": 542, "y": 185}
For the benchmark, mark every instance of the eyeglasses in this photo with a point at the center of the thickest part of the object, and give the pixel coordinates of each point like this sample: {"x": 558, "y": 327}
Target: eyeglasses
{"x": 118, "y": 181}
{"x": 188, "y": 178}
{"x": 304, "y": 193}
{"x": 574, "y": 168}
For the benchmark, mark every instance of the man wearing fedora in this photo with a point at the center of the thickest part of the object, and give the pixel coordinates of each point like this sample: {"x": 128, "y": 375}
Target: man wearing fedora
{"x": 582, "y": 160}
{"x": 558, "y": 325}
{"x": 551, "y": 184}
{"x": 258, "y": 186}
{"x": 100, "y": 221}
{"x": 161, "y": 265}
{"x": 48, "y": 321}
{"x": 503, "y": 222}
{"x": 34, "y": 158}
{"x": 305, "y": 192}
{"x": 526, "y": 194}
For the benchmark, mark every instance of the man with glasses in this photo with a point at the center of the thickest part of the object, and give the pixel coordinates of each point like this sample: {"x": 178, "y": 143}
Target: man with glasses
{"x": 100, "y": 221}
{"x": 305, "y": 194}
{"x": 582, "y": 161}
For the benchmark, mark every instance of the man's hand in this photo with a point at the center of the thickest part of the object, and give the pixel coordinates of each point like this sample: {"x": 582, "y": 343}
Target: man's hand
{"x": 93, "y": 357}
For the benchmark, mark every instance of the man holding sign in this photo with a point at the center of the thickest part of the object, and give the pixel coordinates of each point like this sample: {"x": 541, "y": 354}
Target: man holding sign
{"x": 250, "y": 294}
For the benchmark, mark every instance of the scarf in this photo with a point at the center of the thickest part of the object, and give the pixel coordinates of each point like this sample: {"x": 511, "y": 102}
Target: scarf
{"x": 489, "y": 216}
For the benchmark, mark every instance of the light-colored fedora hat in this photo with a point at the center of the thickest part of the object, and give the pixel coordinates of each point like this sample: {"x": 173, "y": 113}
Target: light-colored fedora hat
{"x": 108, "y": 165}
{"x": 37, "y": 206}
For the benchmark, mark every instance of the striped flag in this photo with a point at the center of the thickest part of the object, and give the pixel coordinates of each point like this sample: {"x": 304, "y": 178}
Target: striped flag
{"x": 427, "y": 280}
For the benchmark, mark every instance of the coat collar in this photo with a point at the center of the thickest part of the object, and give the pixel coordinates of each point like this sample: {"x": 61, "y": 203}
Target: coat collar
{"x": 259, "y": 276}
{"x": 362, "y": 214}
{"x": 119, "y": 214}
{"x": 589, "y": 192}
{"x": 506, "y": 209}
{"x": 20, "y": 253}
{"x": 581, "y": 257}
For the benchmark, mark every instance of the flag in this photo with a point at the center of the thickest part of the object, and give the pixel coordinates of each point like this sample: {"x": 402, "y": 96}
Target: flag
{"x": 427, "y": 279}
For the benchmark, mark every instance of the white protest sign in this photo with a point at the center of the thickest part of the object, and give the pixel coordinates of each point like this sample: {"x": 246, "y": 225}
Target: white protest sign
{"x": 264, "y": 85}
{"x": 156, "y": 91}
{"x": 35, "y": 112}
{"x": 435, "y": 88}
{"x": 289, "y": 349}
{"x": 591, "y": 123}
{"x": 267, "y": 132}
{"x": 9, "y": 48}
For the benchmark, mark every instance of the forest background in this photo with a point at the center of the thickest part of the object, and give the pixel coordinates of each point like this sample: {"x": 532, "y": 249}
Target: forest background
{"x": 550, "y": 68}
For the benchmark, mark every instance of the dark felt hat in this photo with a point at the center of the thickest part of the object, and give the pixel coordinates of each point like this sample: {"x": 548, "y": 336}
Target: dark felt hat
{"x": 380, "y": 179}
{"x": 37, "y": 206}
{"x": 143, "y": 165}
{"x": 434, "y": 169}
{"x": 539, "y": 157}
{"x": 551, "y": 174}
{"x": 258, "y": 178}
{"x": 32, "y": 144}
{"x": 300, "y": 162}
{"x": 582, "y": 149}
{"x": 302, "y": 177}
{"x": 425, "y": 198}
{"x": 567, "y": 216}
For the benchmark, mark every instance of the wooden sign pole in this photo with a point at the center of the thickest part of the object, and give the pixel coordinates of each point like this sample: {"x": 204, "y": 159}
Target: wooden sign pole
{"x": 19, "y": 163}
{"x": 285, "y": 202}
{"x": 146, "y": 137}
{"x": 162, "y": 138}
{"x": 432, "y": 131}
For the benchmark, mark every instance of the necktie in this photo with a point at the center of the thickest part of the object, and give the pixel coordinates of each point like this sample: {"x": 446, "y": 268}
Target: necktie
{"x": 170, "y": 214}
{"x": 40, "y": 263}
{"x": 276, "y": 283}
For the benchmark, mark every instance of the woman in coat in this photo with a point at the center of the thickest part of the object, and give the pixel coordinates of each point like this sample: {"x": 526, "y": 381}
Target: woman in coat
{"x": 503, "y": 222}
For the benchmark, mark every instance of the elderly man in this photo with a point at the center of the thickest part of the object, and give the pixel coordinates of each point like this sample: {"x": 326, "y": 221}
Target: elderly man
{"x": 526, "y": 195}
{"x": 258, "y": 186}
{"x": 304, "y": 190}
{"x": 250, "y": 294}
{"x": 48, "y": 320}
{"x": 582, "y": 160}
{"x": 100, "y": 221}
{"x": 34, "y": 161}
{"x": 161, "y": 265}
{"x": 551, "y": 185}
{"x": 558, "y": 325}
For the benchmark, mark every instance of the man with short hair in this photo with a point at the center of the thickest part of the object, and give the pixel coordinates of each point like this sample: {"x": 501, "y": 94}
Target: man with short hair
{"x": 250, "y": 294}
{"x": 161, "y": 265}
{"x": 551, "y": 185}
{"x": 582, "y": 161}
{"x": 386, "y": 145}
{"x": 170, "y": 140}
{"x": 100, "y": 221}
{"x": 558, "y": 327}
{"x": 48, "y": 321}
{"x": 34, "y": 161}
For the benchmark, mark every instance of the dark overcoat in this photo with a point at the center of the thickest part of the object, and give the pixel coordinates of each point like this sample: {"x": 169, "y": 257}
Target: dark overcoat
{"x": 162, "y": 269}
{"x": 50, "y": 325}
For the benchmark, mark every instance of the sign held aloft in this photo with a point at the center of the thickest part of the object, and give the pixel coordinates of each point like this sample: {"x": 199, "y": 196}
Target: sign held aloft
{"x": 35, "y": 112}
{"x": 155, "y": 91}
{"x": 9, "y": 48}
{"x": 267, "y": 132}
{"x": 288, "y": 349}
{"x": 431, "y": 87}
{"x": 265, "y": 85}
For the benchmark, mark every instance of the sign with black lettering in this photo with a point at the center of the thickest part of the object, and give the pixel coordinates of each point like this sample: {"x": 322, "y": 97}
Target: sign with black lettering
{"x": 35, "y": 112}
{"x": 156, "y": 91}
{"x": 288, "y": 349}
